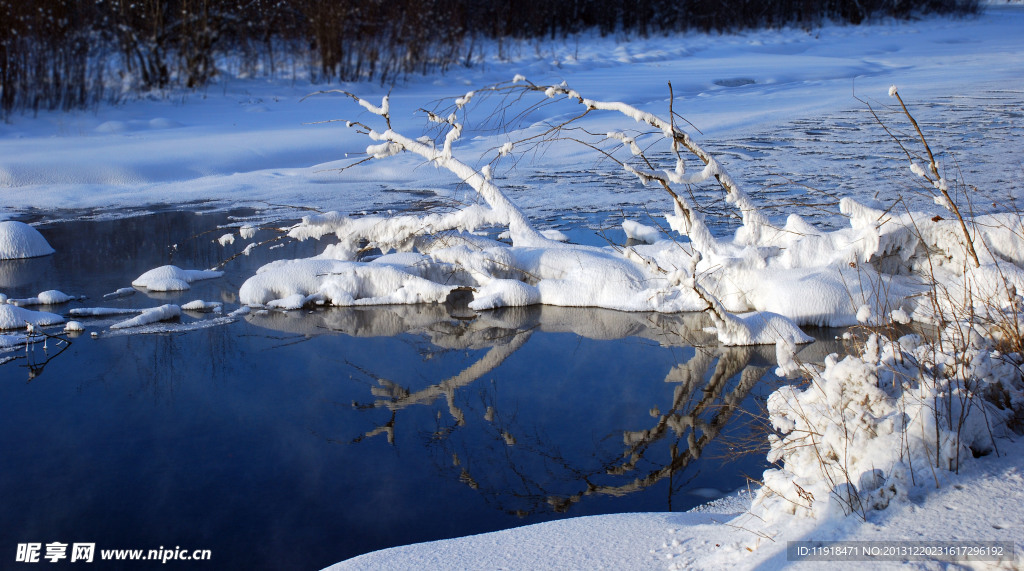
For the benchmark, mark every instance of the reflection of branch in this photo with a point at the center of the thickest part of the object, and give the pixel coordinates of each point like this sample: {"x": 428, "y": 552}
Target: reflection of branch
{"x": 387, "y": 428}
{"x": 693, "y": 401}
{"x": 395, "y": 397}
{"x": 35, "y": 367}
{"x": 728, "y": 365}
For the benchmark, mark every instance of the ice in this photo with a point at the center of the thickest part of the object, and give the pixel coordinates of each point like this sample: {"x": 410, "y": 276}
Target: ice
{"x": 19, "y": 240}
{"x": 100, "y": 311}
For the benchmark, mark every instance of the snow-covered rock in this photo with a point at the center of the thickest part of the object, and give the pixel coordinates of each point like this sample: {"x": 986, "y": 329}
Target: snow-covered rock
{"x": 199, "y": 305}
{"x": 173, "y": 278}
{"x": 74, "y": 327}
{"x": 13, "y": 317}
{"x": 48, "y": 297}
{"x": 19, "y": 240}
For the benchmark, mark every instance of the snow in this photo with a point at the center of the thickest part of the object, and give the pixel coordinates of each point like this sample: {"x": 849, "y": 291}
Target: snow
{"x": 19, "y": 240}
{"x": 121, "y": 292}
{"x": 291, "y": 284}
{"x": 641, "y": 232}
{"x": 201, "y": 306}
{"x": 13, "y": 317}
{"x": 148, "y": 316}
{"x": 218, "y": 152}
{"x": 173, "y": 278}
{"x": 48, "y": 297}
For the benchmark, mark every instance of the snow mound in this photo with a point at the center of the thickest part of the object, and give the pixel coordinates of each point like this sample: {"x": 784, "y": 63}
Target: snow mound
{"x": 173, "y": 278}
{"x": 766, "y": 328}
{"x": 74, "y": 327}
{"x": 641, "y": 232}
{"x": 152, "y": 315}
{"x": 49, "y": 297}
{"x": 13, "y": 317}
{"x": 19, "y": 240}
{"x": 203, "y": 306}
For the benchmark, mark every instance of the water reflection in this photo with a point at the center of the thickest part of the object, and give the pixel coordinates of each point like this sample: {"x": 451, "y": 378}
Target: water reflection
{"x": 497, "y": 431}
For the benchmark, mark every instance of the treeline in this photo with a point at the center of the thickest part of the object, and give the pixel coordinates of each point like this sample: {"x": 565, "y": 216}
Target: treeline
{"x": 63, "y": 54}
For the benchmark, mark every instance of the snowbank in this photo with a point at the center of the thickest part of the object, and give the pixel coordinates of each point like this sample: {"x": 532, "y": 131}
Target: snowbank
{"x": 871, "y": 426}
{"x": 619, "y": 541}
{"x": 19, "y": 240}
{"x": 172, "y": 278}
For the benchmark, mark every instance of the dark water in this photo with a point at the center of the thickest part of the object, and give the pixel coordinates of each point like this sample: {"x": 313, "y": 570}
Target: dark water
{"x": 295, "y": 440}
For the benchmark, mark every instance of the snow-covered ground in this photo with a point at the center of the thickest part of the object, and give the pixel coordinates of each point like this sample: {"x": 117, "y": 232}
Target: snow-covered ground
{"x": 247, "y": 141}
{"x": 765, "y": 102}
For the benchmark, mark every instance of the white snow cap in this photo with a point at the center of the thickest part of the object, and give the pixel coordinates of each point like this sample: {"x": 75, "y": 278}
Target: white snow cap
{"x": 173, "y": 278}
{"x": 203, "y": 306}
{"x": 13, "y": 317}
{"x": 19, "y": 240}
{"x": 48, "y": 297}
{"x": 641, "y": 232}
{"x": 73, "y": 327}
